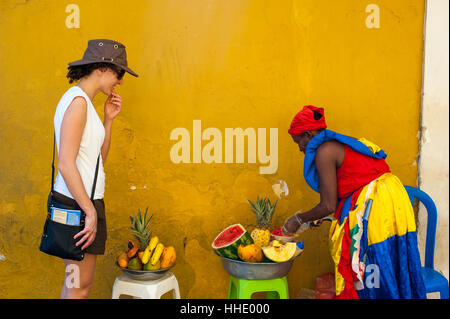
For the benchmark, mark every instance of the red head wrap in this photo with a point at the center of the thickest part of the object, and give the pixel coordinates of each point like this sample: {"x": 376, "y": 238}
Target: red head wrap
{"x": 310, "y": 118}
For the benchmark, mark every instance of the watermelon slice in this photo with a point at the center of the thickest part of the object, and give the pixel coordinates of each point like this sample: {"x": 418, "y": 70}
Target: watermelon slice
{"x": 227, "y": 242}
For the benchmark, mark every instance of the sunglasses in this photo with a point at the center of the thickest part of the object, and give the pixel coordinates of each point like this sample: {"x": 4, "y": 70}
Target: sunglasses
{"x": 119, "y": 72}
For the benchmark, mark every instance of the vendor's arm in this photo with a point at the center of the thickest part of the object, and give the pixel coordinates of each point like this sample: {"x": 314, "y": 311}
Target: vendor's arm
{"x": 329, "y": 156}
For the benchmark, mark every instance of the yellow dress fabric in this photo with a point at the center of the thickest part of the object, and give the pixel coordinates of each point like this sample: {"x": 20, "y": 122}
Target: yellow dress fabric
{"x": 391, "y": 214}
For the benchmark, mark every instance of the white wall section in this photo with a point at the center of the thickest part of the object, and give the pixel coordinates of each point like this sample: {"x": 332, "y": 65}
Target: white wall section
{"x": 434, "y": 141}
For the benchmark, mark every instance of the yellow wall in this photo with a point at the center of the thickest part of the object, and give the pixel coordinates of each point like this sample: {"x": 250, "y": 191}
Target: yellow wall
{"x": 227, "y": 63}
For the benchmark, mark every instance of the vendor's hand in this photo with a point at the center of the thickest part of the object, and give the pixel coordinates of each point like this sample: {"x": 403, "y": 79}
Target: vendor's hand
{"x": 316, "y": 223}
{"x": 89, "y": 231}
{"x": 291, "y": 225}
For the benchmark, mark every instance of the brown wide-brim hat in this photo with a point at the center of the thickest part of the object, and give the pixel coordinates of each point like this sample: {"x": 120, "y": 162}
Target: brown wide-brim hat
{"x": 105, "y": 51}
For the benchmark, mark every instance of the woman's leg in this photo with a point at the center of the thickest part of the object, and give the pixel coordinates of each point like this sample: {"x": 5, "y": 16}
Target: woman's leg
{"x": 79, "y": 277}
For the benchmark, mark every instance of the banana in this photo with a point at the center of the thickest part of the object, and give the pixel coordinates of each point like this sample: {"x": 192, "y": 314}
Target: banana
{"x": 157, "y": 254}
{"x": 153, "y": 242}
{"x": 149, "y": 250}
{"x": 146, "y": 255}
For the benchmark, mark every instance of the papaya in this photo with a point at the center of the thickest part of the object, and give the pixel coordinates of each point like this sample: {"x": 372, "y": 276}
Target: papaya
{"x": 168, "y": 257}
{"x": 132, "y": 249}
{"x": 122, "y": 260}
{"x": 251, "y": 253}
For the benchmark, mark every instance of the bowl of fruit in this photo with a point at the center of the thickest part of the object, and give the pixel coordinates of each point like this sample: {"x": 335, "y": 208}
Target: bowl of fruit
{"x": 150, "y": 264}
{"x": 242, "y": 258}
{"x": 146, "y": 258}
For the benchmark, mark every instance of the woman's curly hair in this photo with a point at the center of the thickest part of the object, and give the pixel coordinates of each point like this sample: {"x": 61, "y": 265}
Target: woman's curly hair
{"x": 79, "y": 71}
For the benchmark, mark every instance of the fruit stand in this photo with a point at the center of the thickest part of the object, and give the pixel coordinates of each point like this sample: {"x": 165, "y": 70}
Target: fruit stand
{"x": 261, "y": 255}
{"x": 146, "y": 258}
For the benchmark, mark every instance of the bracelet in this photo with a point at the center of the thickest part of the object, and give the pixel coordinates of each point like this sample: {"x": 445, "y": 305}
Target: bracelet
{"x": 299, "y": 220}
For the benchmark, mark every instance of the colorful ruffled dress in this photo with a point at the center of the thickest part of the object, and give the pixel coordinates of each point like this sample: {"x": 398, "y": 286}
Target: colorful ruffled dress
{"x": 373, "y": 240}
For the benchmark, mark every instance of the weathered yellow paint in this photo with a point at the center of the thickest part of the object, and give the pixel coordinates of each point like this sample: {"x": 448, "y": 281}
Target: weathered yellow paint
{"x": 227, "y": 63}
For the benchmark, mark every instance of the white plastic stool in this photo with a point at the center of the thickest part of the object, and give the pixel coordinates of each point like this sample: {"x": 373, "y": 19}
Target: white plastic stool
{"x": 151, "y": 289}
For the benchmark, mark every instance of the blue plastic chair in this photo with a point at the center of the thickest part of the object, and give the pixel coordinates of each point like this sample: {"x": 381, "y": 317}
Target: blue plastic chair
{"x": 434, "y": 281}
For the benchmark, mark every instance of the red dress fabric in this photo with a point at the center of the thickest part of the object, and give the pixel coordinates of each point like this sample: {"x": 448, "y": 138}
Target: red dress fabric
{"x": 358, "y": 170}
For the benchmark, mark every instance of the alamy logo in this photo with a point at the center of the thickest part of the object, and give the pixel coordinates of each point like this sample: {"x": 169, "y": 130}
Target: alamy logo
{"x": 213, "y": 151}
{"x": 73, "y": 277}
{"x": 73, "y": 19}
{"x": 373, "y": 19}
{"x": 372, "y": 276}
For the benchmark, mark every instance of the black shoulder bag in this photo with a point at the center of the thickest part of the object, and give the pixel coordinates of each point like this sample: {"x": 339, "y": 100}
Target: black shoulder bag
{"x": 57, "y": 238}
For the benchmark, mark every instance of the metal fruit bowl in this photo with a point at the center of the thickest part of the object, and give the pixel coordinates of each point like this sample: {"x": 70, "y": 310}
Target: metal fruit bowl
{"x": 257, "y": 271}
{"x": 144, "y": 275}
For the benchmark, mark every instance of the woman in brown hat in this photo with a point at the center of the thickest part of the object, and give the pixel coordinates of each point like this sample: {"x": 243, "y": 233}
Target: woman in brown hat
{"x": 82, "y": 139}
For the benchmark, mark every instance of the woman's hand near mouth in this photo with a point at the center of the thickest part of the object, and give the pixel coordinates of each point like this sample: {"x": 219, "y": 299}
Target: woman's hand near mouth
{"x": 113, "y": 106}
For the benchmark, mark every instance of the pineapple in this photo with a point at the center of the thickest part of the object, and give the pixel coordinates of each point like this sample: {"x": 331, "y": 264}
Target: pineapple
{"x": 140, "y": 228}
{"x": 263, "y": 210}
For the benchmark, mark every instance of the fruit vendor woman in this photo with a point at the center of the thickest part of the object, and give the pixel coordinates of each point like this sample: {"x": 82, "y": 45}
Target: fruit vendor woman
{"x": 374, "y": 230}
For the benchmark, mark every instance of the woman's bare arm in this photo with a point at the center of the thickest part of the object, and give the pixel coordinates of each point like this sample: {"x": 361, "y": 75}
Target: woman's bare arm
{"x": 71, "y": 133}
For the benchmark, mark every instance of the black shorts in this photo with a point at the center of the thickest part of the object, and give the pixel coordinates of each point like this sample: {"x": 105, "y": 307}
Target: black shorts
{"x": 98, "y": 245}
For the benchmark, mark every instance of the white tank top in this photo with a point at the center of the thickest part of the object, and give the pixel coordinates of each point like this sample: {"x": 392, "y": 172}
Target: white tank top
{"x": 90, "y": 146}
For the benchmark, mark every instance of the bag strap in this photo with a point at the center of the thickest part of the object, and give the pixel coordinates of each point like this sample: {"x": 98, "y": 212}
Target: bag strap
{"x": 95, "y": 179}
{"x": 53, "y": 171}
{"x": 53, "y": 163}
